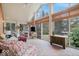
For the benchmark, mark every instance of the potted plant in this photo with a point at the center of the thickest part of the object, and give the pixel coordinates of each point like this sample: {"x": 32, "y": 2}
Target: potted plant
{"x": 74, "y": 37}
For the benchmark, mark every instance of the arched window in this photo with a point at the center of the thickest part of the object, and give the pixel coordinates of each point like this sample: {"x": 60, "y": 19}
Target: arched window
{"x": 42, "y": 11}
{"x": 45, "y": 10}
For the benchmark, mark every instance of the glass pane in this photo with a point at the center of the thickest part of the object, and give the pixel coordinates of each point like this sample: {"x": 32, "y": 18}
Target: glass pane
{"x": 42, "y": 11}
{"x": 45, "y": 28}
{"x": 38, "y": 30}
{"x": 74, "y": 23}
{"x": 13, "y": 27}
{"x": 62, "y": 27}
{"x": 74, "y": 32}
{"x": 45, "y": 10}
{"x": 60, "y": 6}
{"x": 7, "y": 26}
{"x": 25, "y": 28}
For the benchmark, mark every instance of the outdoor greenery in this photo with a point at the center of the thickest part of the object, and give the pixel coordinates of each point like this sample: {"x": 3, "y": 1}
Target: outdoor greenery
{"x": 61, "y": 27}
{"x": 45, "y": 29}
{"x": 74, "y": 37}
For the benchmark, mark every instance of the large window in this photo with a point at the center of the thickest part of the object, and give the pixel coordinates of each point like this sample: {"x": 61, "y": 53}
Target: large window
{"x": 45, "y": 28}
{"x": 57, "y": 7}
{"x": 61, "y": 27}
{"x": 74, "y": 31}
{"x": 13, "y": 26}
{"x": 10, "y": 26}
{"x": 38, "y": 30}
{"x": 45, "y": 10}
{"x": 38, "y": 15}
{"x": 60, "y": 6}
{"x": 42, "y": 11}
{"x": 7, "y": 26}
{"x": 74, "y": 23}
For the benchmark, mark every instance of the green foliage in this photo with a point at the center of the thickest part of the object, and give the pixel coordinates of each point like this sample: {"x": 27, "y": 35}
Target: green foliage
{"x": 45, "y": 33}
{"x": 74, "y": 37}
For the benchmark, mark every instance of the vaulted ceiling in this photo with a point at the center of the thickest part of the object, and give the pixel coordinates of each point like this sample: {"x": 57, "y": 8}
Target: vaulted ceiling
{"x": 19, "y": 12}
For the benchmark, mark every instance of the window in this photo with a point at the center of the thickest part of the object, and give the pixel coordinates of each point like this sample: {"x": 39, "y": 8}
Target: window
{"x": 60, "y": 6}
{"x": 61, "y": 27}
{"x": 42, "y": 11}
{"x": 45, "y": 28}
{"x": 38, "y": 14}
{"x": 7, "y": 26}
{"x": 45, "y": 10}
{"x": 38, "y": 30}
{"x": 25, "y": 28}
{"x": 10, "y": 26}
{"x": 74, "y": 30}
{"x": 74, "y": 23}
{"x": 13, "y": 27}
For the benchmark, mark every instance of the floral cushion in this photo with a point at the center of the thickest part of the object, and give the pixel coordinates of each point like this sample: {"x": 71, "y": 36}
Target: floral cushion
{"x": 7, "y": 49}
{"x": 18, "y": 48}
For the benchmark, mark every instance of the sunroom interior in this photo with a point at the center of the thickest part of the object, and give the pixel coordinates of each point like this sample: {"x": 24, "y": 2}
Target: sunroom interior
{"x": 49, "y": 28}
